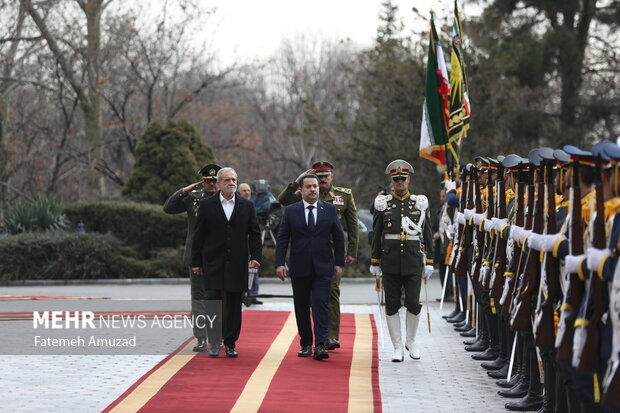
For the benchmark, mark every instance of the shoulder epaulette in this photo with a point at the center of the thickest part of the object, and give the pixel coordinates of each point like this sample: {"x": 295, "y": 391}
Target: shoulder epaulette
{"x": 421, "y": 201}
{"x": 381, "y": 202}
{"x": 341, "y": 189}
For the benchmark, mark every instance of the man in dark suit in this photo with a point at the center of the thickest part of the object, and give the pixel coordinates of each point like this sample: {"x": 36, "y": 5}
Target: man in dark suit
{"x": 226, "y": 243}
{"x": 310, "y": 226}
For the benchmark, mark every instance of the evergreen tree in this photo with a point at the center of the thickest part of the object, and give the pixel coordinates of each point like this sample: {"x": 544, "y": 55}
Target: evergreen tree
{"x": 168, "y": 157}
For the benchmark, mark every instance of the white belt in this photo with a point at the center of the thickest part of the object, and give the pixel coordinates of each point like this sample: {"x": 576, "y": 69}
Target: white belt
{"x": 402, "y": 237}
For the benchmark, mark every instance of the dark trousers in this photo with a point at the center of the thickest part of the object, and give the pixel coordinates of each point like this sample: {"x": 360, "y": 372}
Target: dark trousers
{"x": 197, "y": 292}
{"x": 231, "y": 316}
{"x": 311, "y": 291}
{"x": 393, "y": 285}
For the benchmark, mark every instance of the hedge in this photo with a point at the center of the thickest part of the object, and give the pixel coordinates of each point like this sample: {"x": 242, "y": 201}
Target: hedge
{"x": 145, "y": 227}
{"x": 63, "y": 255}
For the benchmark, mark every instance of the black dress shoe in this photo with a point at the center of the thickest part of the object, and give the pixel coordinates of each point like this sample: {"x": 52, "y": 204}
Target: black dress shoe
{"x": 459, "y": 318}
{"x": 332, "y": 344}
{"x": 463, "y": 329}
{"x": 508, "y": 384}
{"x": 320, "y": 352}
{"x": 487, "y": 355}
{"x": 516, "y": 392}
{"x": 460, "y": 324}
{"x": 305, "y": 351}
{"x": 470, "y": 333}
{"x": 231, "y": 352}
{"x": 247, "y": 301}
{"x": 496, "y": 364}
{"x": 214, "y": 349}
{"x": 469, "y": 342}
{"x": 499, "y": 374}
{"x": 478, "y": 346}
{"x": 451, "y": 315}
{"x": 256, "y": 301}
{"x": 526, "y": 404}
{"x": 201, "y": 345}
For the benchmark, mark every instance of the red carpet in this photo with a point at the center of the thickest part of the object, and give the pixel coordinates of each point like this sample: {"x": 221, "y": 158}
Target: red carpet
{"x": 47, "y": 297}
{"x": 268, "y": 376}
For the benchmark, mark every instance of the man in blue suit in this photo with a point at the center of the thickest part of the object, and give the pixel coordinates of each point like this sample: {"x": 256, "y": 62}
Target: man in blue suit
{"x": 316, "y": 237}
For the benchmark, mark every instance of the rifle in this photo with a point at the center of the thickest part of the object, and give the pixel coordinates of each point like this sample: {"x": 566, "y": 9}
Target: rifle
{"x": 499, "y": 266}
{"x": 521, "y": 317}
{"x": 586, "y": 340}
{"x": 490, "y": 213}
{"x": 467, "y": 234}
{"x": 520, "y": 264}
{"x": 519, "y": 221}
{"x": 544, "y": 325}
{"x": 478, "y": 256}
{"x": 564, "y": 340}
{"x": 456, "y": 242}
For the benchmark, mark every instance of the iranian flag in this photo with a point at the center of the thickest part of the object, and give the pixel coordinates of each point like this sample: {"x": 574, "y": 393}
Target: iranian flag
{"x": 436, "y": 112}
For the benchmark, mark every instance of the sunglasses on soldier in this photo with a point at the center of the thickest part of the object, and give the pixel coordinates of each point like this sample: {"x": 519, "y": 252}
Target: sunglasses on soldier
{"x": 398, "y": 178}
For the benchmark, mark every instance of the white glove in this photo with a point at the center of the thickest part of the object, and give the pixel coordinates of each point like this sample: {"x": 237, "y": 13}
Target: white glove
{"x": 488, "y": 224}
{"x": 460, "y": 218}
{"x": 484, "y": 272}
{"x": 428, "y": 271}
{"x": 549, "y": 241}
{"x": 595, "y": 256}
{"x": 515, "y": 232}
{"x": 449, "y": 185}
{"x": 478, "y": 218}
{"x": 375, "y": 270}
{"x": 452, "y": 229}
{"x": 468, "y": 213}
{"x": 524, "y": 235}
{"x": 498, "y": 224}
{"x": 572, "y": 262}
{"x": 534, "y": 241}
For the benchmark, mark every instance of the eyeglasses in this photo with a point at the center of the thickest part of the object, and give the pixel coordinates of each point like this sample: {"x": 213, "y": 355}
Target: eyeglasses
{"x": 398, "y": 178}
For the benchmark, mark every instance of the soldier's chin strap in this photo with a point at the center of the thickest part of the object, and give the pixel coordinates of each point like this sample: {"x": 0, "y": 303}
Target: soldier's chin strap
{"x": 411, "y": 228}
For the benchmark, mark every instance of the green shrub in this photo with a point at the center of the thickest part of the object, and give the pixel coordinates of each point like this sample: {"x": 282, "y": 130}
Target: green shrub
{"x": 168, "y": 157}
{"x": 145, "y": 227}
{"x": 43, "y": 213}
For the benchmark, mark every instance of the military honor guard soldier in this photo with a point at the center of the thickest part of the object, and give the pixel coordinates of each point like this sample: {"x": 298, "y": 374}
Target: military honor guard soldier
{"x": 186, "y": 200}
{"x": 401, "y": 247}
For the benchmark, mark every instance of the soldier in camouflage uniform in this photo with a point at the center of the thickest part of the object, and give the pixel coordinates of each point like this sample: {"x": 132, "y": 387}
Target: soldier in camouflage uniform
{"x": 401, "y": 248}
{"x": 342, "y": 199}
{"x": 186, "y": 200}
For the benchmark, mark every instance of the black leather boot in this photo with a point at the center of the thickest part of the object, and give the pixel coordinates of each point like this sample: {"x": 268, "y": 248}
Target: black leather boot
{"x": 470, "y": 333}
{"x": 508, "y": 384}
{"x": 517, "y": 391}
{"x": 500, "y": 373}
{"x": 456, "y": 319}
{"x": 478, "y": 346}
{"x": 490, "y": 353}
{"x": 530, "y": 403}
{"x": 548, "y": 355}
{"x": 496, "y": 364}
{"x": 464, "y": 328}
{"x": 452, "y": 314}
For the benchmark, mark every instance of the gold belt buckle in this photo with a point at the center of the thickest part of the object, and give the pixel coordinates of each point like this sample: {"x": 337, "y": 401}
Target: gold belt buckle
{"x": 403, "y": 237}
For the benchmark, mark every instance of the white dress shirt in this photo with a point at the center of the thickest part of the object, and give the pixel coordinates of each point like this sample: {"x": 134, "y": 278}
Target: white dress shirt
{"x": 314, "y": 211}
{"x": 228, "y": 205}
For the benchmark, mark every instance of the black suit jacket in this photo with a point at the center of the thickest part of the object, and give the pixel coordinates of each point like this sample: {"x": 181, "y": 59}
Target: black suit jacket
{"x": 311, "y": 251}
{"x": 223, "y": 248}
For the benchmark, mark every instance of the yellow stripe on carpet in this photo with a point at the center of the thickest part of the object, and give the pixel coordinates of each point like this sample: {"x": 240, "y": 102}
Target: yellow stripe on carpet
{"x": 151, "y": 385}
{"x": 360, "y": 379}
{"x": 256, "y": 387}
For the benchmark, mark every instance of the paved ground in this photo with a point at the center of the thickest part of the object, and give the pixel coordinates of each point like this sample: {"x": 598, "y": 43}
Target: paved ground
{"x": 446, "y": 379}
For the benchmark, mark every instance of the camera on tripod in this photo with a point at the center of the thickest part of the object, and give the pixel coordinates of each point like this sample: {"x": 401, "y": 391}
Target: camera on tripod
{"x": 266, "y": 205}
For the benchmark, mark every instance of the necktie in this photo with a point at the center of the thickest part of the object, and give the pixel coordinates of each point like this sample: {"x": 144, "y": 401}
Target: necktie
{"x": 310, "y": 217}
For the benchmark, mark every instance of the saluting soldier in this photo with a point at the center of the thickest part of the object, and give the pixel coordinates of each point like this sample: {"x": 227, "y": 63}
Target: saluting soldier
{"x": 401, "y": 249}
{"x": 342, "y": 199}
{"x": 187, "y": 200}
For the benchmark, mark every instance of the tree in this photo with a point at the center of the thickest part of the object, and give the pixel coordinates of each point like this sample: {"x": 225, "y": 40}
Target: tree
{"x": 168, "y": 157}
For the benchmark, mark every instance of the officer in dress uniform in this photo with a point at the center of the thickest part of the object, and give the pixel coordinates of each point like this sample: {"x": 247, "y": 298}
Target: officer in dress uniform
{"x": 186, "y": 200}
{"x": 401, "y": 249}
{"x": 342, "y": 199}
